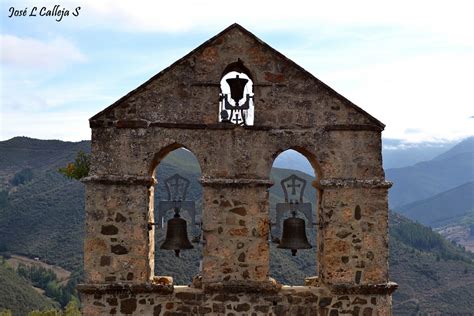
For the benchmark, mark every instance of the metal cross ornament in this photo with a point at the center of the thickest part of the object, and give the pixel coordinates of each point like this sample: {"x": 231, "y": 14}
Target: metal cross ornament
{"x": 177, "y": 188}
{"x": 293, "y": 189}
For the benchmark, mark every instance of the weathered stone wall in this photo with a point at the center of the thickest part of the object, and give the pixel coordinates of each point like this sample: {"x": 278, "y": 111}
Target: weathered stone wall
{"x": 117, "y": 247}
{"x": 293, "y": 110}
{"x": 228, "y": 151}
{"x": 295, "y": 300}
{"x": 231, "y": 175}
{"x": 353, "y": 243}
{"x": 235, "y": 228}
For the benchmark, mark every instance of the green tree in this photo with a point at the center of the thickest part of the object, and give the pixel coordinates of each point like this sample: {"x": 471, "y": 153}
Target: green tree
{"x": 3, "y": 198}
{"x": 49, "y": 312}
{"x": 22, "y": 177}
{"x": 6, "y": 312}
{"x": 77, "y": 169}
{"x": 47, "y": 280}
{"x": 53, "y": 290}
{"x": 72, "y": 308}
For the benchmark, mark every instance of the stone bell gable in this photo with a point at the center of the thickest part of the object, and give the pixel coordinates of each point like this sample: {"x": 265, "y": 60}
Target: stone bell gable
{"x": 181, "y": 107}
{"x": 194, "y": 80}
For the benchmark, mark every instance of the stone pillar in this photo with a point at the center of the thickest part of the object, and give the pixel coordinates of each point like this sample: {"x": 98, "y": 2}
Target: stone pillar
{"x": 235, "y": 228}
{"x": 118, "y": 245}
{"x": 353, "y": 236}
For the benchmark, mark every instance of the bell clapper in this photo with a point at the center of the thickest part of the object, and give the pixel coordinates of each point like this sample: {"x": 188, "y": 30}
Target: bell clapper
{"x": 176, "y": 212}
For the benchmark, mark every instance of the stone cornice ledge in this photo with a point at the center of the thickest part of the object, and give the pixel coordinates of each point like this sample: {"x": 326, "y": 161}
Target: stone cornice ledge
{"x": 206, "y": 181}
{"x": 135, "y": 124}
{"x": 123, "y": 180}
{"x": 353, "y": 127}
{"x": 124, "y": 288}
{"x": 366, "y": 289}
{"x": 352, "y": 183}
{"x": 242, "y": 287}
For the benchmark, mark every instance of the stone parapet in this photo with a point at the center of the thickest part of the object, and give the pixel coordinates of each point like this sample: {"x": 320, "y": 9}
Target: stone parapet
{"x": 131, "y": 289}
{"x": 366, "y": 289}
{"x": 120, "y": 180}
{"x": 352, "y": 183}
{"x": 249, "y": 286}
{"x": 206, "y": 181}
{"x": 288, "y": 300}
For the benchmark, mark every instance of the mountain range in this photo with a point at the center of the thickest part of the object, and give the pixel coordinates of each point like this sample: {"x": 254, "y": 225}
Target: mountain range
{"x": 428, "y": 178}
{"x": 439, "y": 192}
{"x": 396, "y": 154}
{"x": 443, "y": 208}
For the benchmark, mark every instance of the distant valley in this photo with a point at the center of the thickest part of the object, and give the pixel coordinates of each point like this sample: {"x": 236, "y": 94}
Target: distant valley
{"x": 439, "y": 193}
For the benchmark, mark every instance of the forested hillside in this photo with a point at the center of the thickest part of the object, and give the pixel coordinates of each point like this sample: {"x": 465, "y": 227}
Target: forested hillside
{"x": 17, "y": 295}
{"x": 434, "y": 275}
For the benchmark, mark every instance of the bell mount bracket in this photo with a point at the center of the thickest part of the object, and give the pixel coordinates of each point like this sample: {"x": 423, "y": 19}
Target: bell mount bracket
{"x": 293, "y": 201}
{"x": 176, "y": 188}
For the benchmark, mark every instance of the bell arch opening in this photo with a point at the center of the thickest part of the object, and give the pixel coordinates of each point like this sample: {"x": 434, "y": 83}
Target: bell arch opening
{"x": 236, "y": 104}
{"x": 176, "y": 209}
{"x": 293, "y": 206}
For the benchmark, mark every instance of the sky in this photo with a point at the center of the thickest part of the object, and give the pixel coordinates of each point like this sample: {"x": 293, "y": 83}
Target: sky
{"x": 408, "y": 63}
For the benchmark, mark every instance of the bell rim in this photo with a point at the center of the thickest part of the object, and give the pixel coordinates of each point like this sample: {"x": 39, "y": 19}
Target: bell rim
{"x": 305, "y": 247}
{"x": 182, "y": 248}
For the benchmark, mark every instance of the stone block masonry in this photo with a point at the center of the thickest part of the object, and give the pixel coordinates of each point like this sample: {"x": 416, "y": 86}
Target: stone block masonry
{"x": 183, "y": 300}
{"x": 178, "y": 108}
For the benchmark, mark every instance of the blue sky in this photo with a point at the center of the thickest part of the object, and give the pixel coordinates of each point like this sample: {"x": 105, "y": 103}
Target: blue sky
{"x": 410, "y": 64}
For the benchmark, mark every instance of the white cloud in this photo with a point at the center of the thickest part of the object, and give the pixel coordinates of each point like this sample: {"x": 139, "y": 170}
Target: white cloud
{"x": 419, "y": 98}
{"x": 39, "y": 96}
{"x": 397, "y": 144}
{"x": 438, "y": 17}
{"x": 31, "y": 52}
{"x": 420, "y": 88}
{"x": 66, "y": 125}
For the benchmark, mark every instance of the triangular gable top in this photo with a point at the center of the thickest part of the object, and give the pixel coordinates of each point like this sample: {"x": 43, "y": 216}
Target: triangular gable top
{"x": 209, "y": 43}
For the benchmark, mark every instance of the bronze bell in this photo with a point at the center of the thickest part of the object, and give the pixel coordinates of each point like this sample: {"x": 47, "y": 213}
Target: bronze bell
{"x": 294, "y": 235}
{"x": 176, "y": 236}
{"x": 237, "y": 86}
